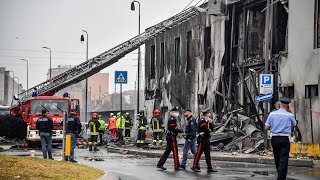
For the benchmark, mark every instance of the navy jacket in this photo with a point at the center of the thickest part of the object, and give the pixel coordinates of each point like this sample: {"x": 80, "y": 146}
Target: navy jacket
{"x": 205, "y": 127}
{"x": 73, "y": 124}
{"x": 191, "y": 128}
{"x": 44, "y": 124}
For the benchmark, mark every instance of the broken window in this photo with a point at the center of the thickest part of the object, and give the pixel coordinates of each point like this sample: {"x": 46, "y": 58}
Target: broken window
{"x": 311, "y": 91}
{"x": 289, "y": 92}
{"x": 152, "y": 63}
{"x": 189, "y": 46}
{"x": 207, "y": 47}
{"x": 177, "y": 55}
{"x": 317, "y": 24}
{"x": 162, "y": 59}
{"x": 149, "y": 94}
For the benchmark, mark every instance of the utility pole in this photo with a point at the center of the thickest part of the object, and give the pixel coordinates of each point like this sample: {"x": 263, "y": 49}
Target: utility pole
{"x": 86, "y": 88}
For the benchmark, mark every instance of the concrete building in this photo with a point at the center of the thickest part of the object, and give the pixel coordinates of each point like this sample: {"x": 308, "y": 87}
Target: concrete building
{"x": 215, "y": 61}
{"x": 8, "y": 87}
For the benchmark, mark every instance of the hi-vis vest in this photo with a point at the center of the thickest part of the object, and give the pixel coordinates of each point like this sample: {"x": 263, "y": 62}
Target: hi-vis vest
{"x": 102, "y": 124}
{"x": 157, "y": 124}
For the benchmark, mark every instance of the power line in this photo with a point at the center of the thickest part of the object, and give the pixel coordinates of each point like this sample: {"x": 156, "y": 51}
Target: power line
{"x": 29, "y": 50}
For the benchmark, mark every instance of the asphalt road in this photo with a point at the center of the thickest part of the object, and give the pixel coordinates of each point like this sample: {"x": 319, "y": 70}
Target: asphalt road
{"x": 129, "y": 167}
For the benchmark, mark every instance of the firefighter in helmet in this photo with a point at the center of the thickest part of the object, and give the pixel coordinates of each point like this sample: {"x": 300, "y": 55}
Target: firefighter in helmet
{"x": 142, "y": 127}
{"x": 94, "y": 132}
{"x": 127, "y": 126}
{"x": 157, "y": 127}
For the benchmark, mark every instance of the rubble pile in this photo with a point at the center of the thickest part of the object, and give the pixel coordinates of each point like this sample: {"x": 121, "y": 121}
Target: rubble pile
{"x": 12, "y": 127}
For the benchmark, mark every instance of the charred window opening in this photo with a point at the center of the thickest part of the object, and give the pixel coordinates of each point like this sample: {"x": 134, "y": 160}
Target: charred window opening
{"x": 177, "y": 55}
{"x": 289, "y": 92}
{"x": 158, "y": 94}
{"x": 207, "y": 47}
{"x": 162, "y": 59}
{"x": 189, "y": 46}
{"x": 149, "y": 94}
{"x": 152, "y": 63}
{"x": 317, "y": 24}
{"x": 311, "y": 91}
{"x": 202, "y": 98}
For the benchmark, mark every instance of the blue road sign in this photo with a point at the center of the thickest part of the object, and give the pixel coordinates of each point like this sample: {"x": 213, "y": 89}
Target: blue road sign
{"x": 266, "y": 84}
{"x": 121, "y": 77}
{"x": 263, "y": 97}
{"x": 266, "y": 79}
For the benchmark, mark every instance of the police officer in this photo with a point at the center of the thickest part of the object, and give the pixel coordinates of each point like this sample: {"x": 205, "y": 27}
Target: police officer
{"x": 157, "y": 127}
{"x": 280, "y": 123}
{"x": 73, "y": 128}
{"x": 190, "y": 136}
{"x": 127, "y": 126}
{"x": 45, "y": 125}
{"x": 94, "y": 132}
{"x": 172, "y": 132}
{"x": 102, "y": 128}
{"x": 205, "y": 127}
{"x": 142, "y": 127}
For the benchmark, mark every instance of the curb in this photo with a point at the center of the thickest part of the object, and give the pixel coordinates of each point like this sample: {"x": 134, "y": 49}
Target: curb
{"x": 270, "y": 161}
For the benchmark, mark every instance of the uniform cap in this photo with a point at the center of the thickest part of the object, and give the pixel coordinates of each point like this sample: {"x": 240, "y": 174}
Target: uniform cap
{"x": 73, "y": 110}
{"x": 206, "y": 110}
{"x": 44, "y": 111}
{"x": 285, "y": 100}
{"x": 187, "y": 110}
{"x": 174, "y": 109}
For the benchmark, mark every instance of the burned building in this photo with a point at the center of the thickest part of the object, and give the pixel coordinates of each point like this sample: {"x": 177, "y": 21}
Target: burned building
{"x": 214, "y": 60}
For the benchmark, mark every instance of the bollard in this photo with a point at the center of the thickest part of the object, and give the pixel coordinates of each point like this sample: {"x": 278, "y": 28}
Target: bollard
{"x": 68, "y": 145}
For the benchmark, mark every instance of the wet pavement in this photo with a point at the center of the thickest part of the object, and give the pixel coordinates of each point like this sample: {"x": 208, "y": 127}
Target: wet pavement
{"x": 131, "y": 167}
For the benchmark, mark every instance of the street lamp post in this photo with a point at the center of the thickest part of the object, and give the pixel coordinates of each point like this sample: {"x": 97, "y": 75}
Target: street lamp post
{"x": 27, "y": 72}
{"x": 12, "y": 82}
{"x": 86, "y": 88}
{"x": 139, "y": 55}
{"x": 50, "y": 59}
{"x": 18, "y": 82}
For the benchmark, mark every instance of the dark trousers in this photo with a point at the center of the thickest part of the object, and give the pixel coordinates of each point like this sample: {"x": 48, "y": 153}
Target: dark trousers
{"x": 171, "y": 146}
{"x": 93, "y": 141}
{"x": 120, "y": 134}
{"x": 281, "y": 149}
{"x": 203, "y": 146}
{"x": 73, "y": 146}
{"x": 127, "y": 134}
{"x": 141, "y": 136}
{"x": 157, "y": 137}
{"x": 101, "y": 132}
{"x": 46, "y": 144}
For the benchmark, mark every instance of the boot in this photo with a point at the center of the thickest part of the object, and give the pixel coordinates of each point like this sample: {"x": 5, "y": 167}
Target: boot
{"x": 90, "y": 147}
{"x": 95, "y": 148}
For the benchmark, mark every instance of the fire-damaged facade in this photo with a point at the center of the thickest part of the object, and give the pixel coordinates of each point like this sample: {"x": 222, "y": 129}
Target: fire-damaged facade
{"x": 214, "y": 61}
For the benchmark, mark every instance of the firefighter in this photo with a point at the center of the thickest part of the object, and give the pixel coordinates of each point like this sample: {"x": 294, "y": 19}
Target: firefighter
{"x": 102, "y": 128}
{"x": 127, "y": 127}
{"x": 73, "y": 128}
{"x": 142, "y": 127}
{"x": 205, "y": 127}
{"x": 94, "y": 132}
{"x": 172, "y": 132}
{"x": 157, "y": 127}
{"x": 45, "y": 125}
{"x": 120, "y": 126}
{"x": 112, "y": 126}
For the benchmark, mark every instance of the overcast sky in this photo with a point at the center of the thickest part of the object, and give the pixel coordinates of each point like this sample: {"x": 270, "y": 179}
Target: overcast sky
{"x": 28, "y": 25}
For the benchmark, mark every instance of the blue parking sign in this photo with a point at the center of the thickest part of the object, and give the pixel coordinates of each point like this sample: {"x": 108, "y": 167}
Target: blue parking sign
{"x": 266, "y": 79}
{"x": 266, "y": 84}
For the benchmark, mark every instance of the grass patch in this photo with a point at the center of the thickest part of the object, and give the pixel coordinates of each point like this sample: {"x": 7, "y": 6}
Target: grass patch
{"x": 34, "y": 168}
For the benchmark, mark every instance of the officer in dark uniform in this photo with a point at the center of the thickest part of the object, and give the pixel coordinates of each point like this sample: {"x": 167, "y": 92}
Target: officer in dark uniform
{"x": 205, "y": 127}
{"x": 142, "y": 127}
{"x": 73, "y": 128}
{"x": 280, "y": 124}
{"x": 172, "y": 132}
{"x": 190, "y": 136}
{"x": 45, "y": 125}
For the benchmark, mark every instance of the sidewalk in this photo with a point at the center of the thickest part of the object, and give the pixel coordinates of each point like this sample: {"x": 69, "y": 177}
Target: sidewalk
{"x": 215, "y": 156}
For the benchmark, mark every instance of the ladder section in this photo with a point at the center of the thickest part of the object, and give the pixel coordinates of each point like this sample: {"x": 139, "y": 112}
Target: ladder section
{"x": 107, "y": 58}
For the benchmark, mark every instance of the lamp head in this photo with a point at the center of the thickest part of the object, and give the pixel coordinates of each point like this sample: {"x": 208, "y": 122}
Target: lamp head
{"x": 132, "y": 6}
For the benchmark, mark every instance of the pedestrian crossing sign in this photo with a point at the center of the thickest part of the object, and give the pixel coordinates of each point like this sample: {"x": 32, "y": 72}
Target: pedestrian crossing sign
{"x": 121, "y": 77}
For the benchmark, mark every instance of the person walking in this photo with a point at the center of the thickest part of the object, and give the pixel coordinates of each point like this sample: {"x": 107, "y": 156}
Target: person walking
{"x": 172, "y": 132}
{"x": 94, "y": 132}
{"x": 102, "y": 128}
{"x": 205, "y": 127}
{"x": 112, "y": 126}
{"x": 190, "y": 136}
{"x": 157, "y": 127}
{"x": 127, "y": 127}
{"x": 73, "y": 128}
{"x": 45, "y": 125}
{"x": 142, "y": 127}
{"x": 280, "y": 124}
